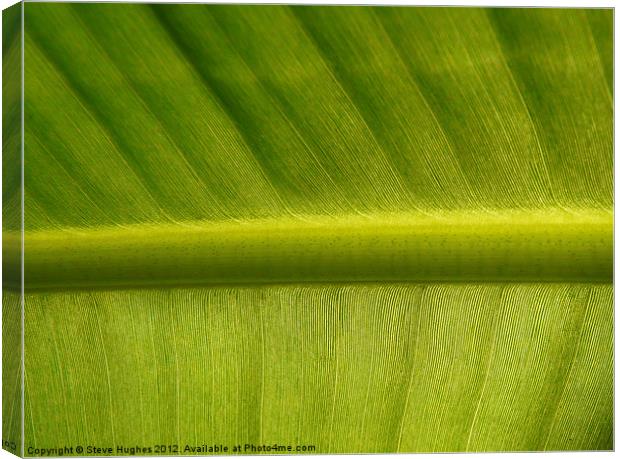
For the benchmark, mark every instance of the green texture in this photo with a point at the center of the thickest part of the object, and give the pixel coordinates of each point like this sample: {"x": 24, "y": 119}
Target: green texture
{"x": 368, "y": 229}
{"x": 348, "y": 368}
{"x": 470, "y": 247}
{"x": 12, "y": 306}
{"x": 138, "y": 114}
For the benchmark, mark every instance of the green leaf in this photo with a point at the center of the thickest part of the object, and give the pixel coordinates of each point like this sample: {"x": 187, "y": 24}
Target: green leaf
{"x": 366, "y": 229}
{"x": 348, "y": 368}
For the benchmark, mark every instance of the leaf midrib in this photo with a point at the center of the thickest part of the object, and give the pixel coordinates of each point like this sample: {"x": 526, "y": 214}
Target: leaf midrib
{"x": 455, "y": 246}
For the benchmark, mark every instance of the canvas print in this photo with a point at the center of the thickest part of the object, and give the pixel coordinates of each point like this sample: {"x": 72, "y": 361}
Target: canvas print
{"x": 273, "y": 229}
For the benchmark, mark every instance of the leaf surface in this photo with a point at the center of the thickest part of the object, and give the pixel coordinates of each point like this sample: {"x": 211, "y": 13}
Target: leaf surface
{"x": 367, "y": 229}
